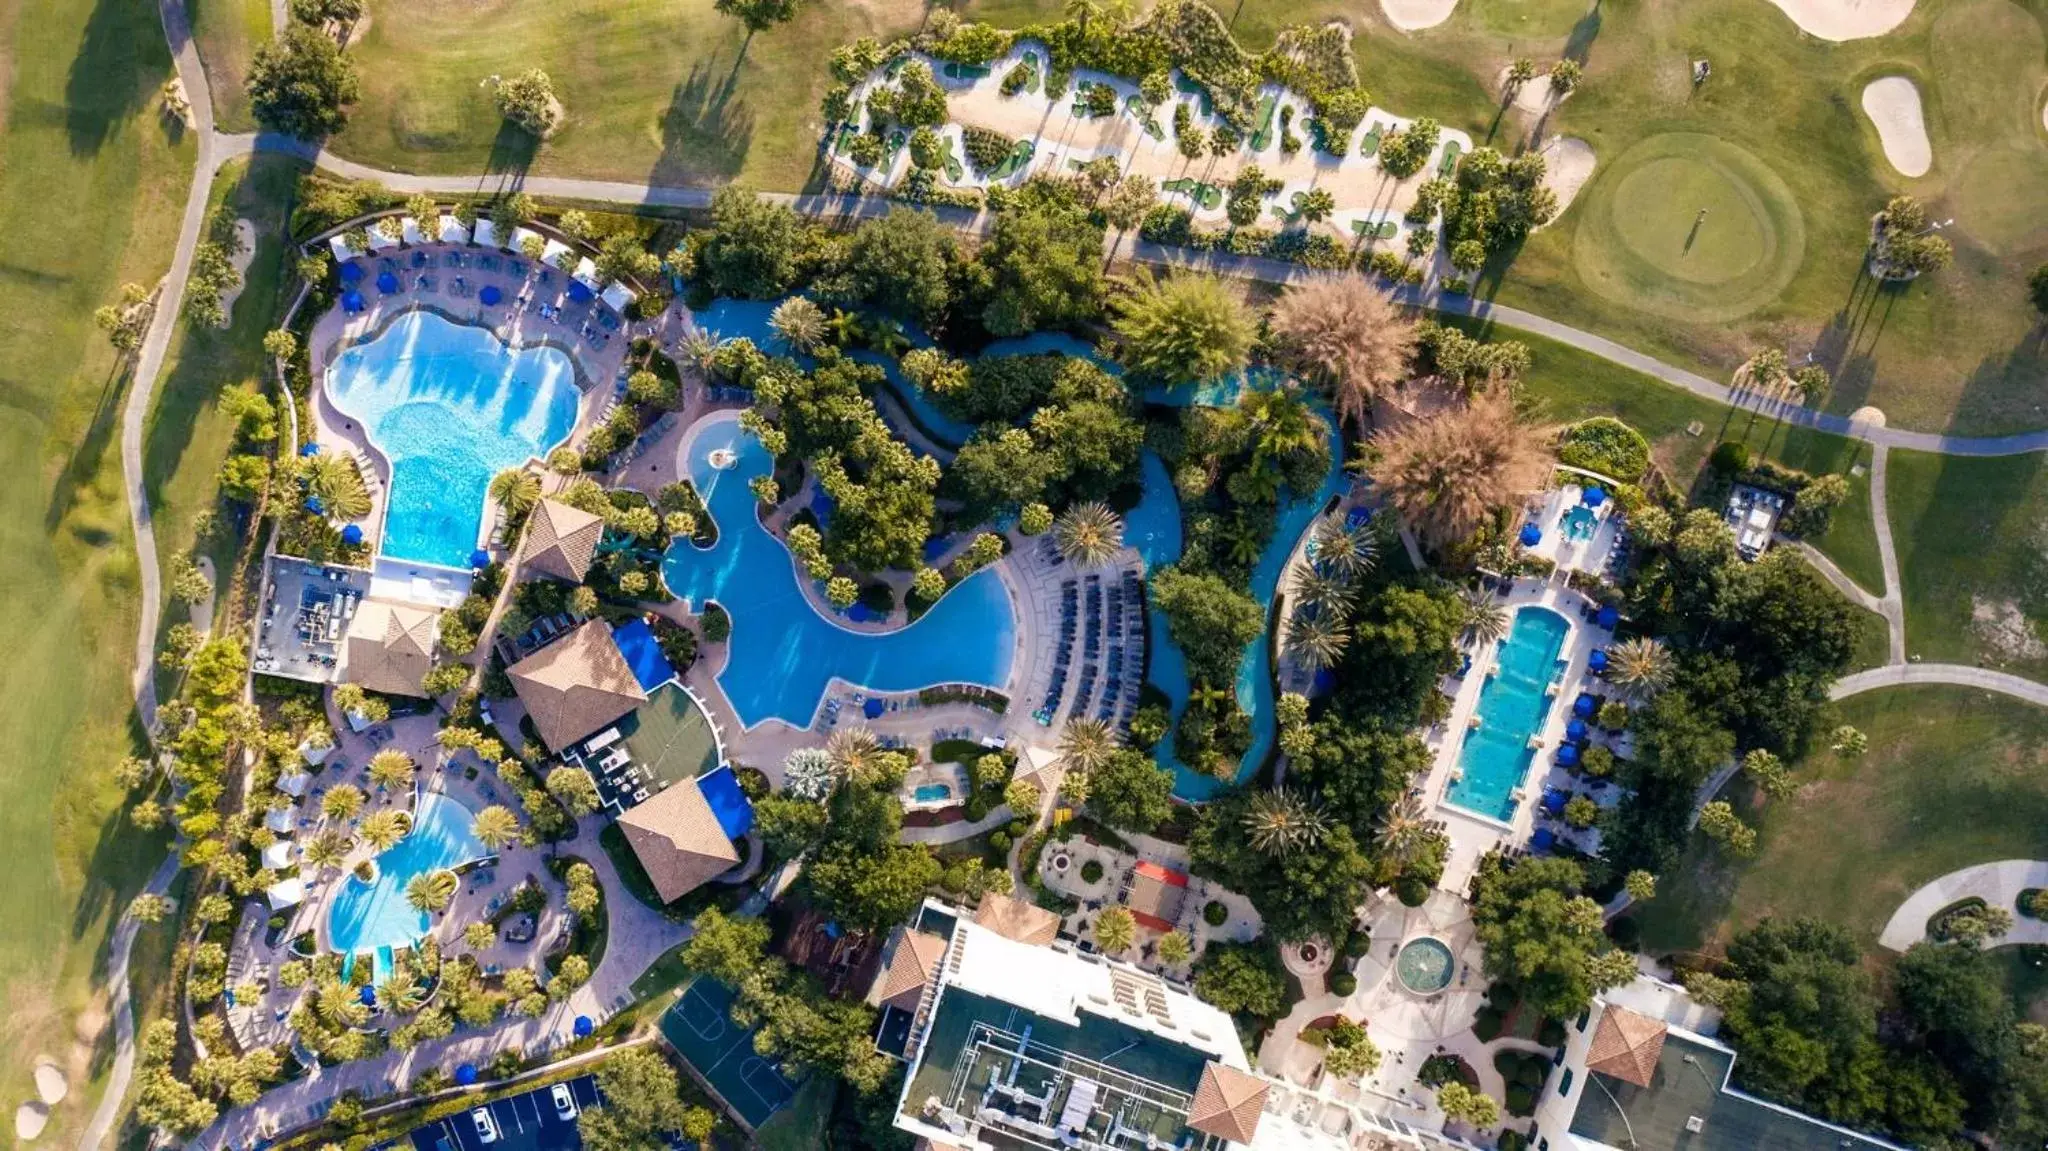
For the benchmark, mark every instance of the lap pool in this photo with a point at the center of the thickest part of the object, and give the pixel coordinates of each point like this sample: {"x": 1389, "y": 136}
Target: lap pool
{"x": 784, "y": 652}
{"x": 368, "y": 917}
{"x": 450, "y": 405}
{"x": 1512, "y": 706}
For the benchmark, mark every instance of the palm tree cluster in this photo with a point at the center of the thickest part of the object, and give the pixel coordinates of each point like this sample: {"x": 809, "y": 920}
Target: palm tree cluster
{"x": 1280, "y": 821}
{"x": 1485, "y": 618}
{"x": 1640, "y": 667}
{"x": 1088, "y": 534}
{"x": 1323, "y": 592}
{"x": 1347, "y": 334}
{"x": 1449, "y": 473}
{"x": 338, "y": 485}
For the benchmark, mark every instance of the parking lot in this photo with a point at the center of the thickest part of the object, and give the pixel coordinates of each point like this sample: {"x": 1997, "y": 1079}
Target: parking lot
{"x": 526, "y": 1122}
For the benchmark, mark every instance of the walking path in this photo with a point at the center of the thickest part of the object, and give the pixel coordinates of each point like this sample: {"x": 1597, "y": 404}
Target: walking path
{"x": 1997, "y": 884}
{"x": 1959, "y": 675}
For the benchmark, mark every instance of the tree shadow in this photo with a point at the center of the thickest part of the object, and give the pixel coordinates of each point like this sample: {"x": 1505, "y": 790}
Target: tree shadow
{"x": 112, "y": 74}
{"x": 1847, "y": 346}
{"x": 512, "y": 153}
{"x": 704, "y": 134}
{"x": 84, "y": 464}
{"x": 1995, "y": 386}
{"x": 1579, "y": 44}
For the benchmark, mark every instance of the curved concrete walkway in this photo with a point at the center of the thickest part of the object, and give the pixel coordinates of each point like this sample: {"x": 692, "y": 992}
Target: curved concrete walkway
{"x": 1954, "y": 674}
{"x": 1997, "y": 884}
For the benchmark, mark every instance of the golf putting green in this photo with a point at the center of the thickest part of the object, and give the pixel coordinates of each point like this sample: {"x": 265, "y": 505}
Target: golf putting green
{"x": 1527, "y": 17}
{"x": 1643, "y": 240}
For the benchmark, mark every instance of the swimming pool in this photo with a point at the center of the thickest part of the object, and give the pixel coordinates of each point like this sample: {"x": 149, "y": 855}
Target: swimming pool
{"x": 931, "y": 792}
{"x": 1512, "y": 706}
{"x": 450, "y": 405}
{"x": 370, "y": 916}
{"x": 783, "y": 651}
{"x": 1578, "y": 522}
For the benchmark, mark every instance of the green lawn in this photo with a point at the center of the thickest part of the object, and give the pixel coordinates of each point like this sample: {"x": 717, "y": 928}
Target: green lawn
{"x": 1953, "y": 777}
{"x": 90, "y": 187}
{"x": 228, "y": 32}
{"x": 1972, "y": 536}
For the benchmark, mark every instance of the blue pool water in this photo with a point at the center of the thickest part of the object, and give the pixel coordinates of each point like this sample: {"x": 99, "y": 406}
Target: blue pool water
{"x": 1579, "y": 522}
{"x": 450, "y": 405}
{"x": 783, "y": 652}
{"x": 375, "y": 915}
{"x": 1512, "y": 706}
{"x": 931, "y": 792}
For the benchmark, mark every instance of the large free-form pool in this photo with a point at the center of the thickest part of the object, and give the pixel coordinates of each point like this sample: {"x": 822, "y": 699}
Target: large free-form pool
{"x": 367, "y": 917}
{"x": 1512, "y": 706}
{"x": 450, "y": 405}
{"x": 784, "y": 652}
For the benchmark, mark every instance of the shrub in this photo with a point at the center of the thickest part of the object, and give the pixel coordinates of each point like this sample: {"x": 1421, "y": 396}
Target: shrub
{"x": 1521, "y": 1100}
{"x": 717, "y": 624}
{"x": 986, "y": 149}
{"x": 1730, "y": 458}
{"x": 1343, "y": 983}
{"x": 1608, "y": 446}
{"x": 1487, "y": 1024}
{"x": 2033, "y": 903}
{"x": 1091, "y": 871}
{"x": 1550, "y": 1033}
{"x": 1214, "y": 913}
{"x": 1411, "y": 891}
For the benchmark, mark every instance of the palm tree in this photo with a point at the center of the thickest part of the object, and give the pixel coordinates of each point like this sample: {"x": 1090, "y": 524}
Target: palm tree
{"x": 515, "y": 490}
{"x": 1344, "y": 551}
{"x": 495, "y": 826}
{"x": 1088, "y": 535}
{"x": 1640, "y": 667}
{"x": 1325, "y": 593}
{"x": 1449, "y": 473}
{"x": 338, "y": 1005}
{"x": 430, "y": 893}
{"x": 799, "y": 323}
{"x": 1086, "y": 744}
{"x": 401, "y": 992}
{"x": 1347, "y": 334}
{"x": 1174, "y": 948}
{"x": 326, "y": 848}
{"x": 1115, "y": 930}
{"x": 1484, "y": 617}
{"x": 1281, "y": 821}
{"x": 339, "y": 486}
{"x": 1282, "y": 428}
{"x": 1317, "y": 639}
{"x": 701, "y": 349}
{"x": 341, "y": 802}
{"x": 382, "y": 829}
{"x": 808, "y": 773}
{"x": 853, "y": 751}
{"x": 391, "y": 769}
{"x": 1404, "y": 831}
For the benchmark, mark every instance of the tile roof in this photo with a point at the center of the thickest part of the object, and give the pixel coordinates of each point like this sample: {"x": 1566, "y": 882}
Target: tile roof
{"x": 1014, "y": 919}
{"x": 560, "y": 541}
{"x": 1626, "y": 1045}
{"x": 1228, "y": 1103}
{"x": 576, "y": 685}
{"x": 390, "y": 646}
{"x": 678, "y": 840}
{"x": 913, "y": 959}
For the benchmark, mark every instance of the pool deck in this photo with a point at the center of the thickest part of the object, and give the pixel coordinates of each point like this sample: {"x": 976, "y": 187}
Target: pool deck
{"x": 1472, "y": 835}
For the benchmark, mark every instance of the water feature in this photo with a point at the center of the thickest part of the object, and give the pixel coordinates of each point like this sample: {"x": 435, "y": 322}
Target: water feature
{"x": 1495, "y": 755}
{"x": 1424, "y": 965}
{"x": 366, "y": 917}
{"x": 784, "y": 651}
{"x": 1578, "y": 522}
{"x": 931, "y": 792}
{"x": 449, "y": 405}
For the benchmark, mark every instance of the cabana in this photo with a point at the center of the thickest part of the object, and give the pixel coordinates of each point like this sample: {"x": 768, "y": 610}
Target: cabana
{"x": 380, "y": 242}
{"x": 520, "y": 236}
{"x": 278, "y": 856}
{"x": 286, "y": 893}
{"x": 586, "y": 273}
{"x": 619, "y": 297}
{"x": 452, "y": 231}
{"x": 553, "y": 253}
{"x": 413, "y": 236}
{"x": 342, "y": 249}
{"x": 294, "y": 784}
{"x": 279, "y": 821}
{"x": 484, "y": 234}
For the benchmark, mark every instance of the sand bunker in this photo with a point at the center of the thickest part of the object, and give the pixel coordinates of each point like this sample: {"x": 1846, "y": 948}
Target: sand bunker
{"x": 245, "y": 233}
{"x": 1893, "y": 105}
{"x": 50, "y": 1083}
{"x": 1567, "y": 165}
{"x": 1535, "y": 97}
{"x": 29, "y": 1121}
{"x": 1846, "y": 19}
{"x": 1415, "y": 15}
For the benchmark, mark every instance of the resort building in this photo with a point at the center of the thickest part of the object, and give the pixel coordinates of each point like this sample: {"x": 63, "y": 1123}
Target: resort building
{"x": 576, "y": 685}
{"x": 679, "y": 840}
{"x": 1640, "y": 1070}
{"x": 390, "y": 647}
{"x": 560, "y": 542}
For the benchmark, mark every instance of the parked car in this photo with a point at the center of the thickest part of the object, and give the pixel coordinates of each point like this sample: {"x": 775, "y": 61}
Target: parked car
{"x": 486, "y": 1127}
{"x": 565, "y": 1103}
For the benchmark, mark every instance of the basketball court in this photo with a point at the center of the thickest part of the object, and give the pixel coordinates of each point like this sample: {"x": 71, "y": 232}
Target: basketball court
{"x": 700, "y": 1027}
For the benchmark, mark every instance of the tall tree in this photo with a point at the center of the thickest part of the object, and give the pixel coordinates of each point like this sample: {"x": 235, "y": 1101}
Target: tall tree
{"x": 1182, "y": 328}
{"x": 1448, "y": 473}
{"x": 1347, "y": 334}
{"x": 301, "y": 84}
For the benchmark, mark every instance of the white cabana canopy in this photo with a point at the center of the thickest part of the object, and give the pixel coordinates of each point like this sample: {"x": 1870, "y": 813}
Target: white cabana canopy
{"x": 316, "y": 754}
{"x": 520, "y": 236}
{"x": 278, "y": 856}
{"x": 554, "y": 252}
{"x": 379, "y": 241}
{"x": 619, "y": 297}
{"x": 294, "y": 784}
{"x": 339, "y": 245}
{"x": 413, "y": 235}
{"x": 485, "y": 234}
{"x": 586, "y": 271}
{"x": 452, "y": 231}
{"x": 279, "y": 820}
{"x": 286, "y": 893}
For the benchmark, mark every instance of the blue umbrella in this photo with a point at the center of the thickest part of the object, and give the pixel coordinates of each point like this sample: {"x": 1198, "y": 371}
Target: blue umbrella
{"x": 351, "y": 301}
{"x": 584, "y": 1026}
{"x": 490, "y": 294}
{"x": 466, "y": 1074}
{"x": 479, "y": 558}
{"x": 387, "y": 283}
{"x": 1568, "y": 755}
{"x": 1585, "y": 705}
{"x": 314, "y": 505}
{"x": 367, "y": 995}
{"x": 1595, "y": 496}
{"x": 351, "y": 272}
{"x": 1543, "y": 839}
{"x": 1531, "y": 535}
{"x": 419, "y": 259}
{"x": 352, "y": 534}
{"x": 309, "y": 449}
{"x": 1575, "y": 728}
{"x": 579, "y": 292}
{"x": 872, "y": 709}
{"x": 1553, "y": 800}
{"x": 1597, "y": 662}
{"x": 1608, "y": 617}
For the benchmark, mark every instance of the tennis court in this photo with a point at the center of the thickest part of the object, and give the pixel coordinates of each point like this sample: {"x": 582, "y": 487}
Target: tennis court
{"x": 672, "y": 738}
{"x": 700, "y": 1027}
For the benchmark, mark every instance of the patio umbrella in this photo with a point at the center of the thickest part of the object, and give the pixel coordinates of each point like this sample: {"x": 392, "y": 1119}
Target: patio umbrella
{"x": 466, "y": 1074}
{"x": 352, "y": 534}
{"x": 1597, "y": 662}
{"x": 584, "y": 1026}
{"x": 309, "y": 449}
{"x": 579, "y": 292}
{"x": 1595, "y": 496}
{"x": 1575, "y": 729}
{"x": 367, "y": 995}
{"x": 1543, "y": 839}
{"x": 419, "y": 259}
{"x": 387, "y": 283}
{"x": 351, "y": 301}
{"x": 479, "y": 558}
{"x": 314, "y": 505}
{"x": 1531, "y": 535}
{"x": 872, "y": 709}
{"x": 351, "y": 272}
{"x": 1568, "y": 755}
{"x": 1585, "y": 705}
{"x": 490, "y": 294}
{"x": 1608, "y": 617}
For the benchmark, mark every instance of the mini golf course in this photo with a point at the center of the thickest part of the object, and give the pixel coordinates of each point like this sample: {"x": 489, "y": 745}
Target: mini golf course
{"x": 1644, "y": 240}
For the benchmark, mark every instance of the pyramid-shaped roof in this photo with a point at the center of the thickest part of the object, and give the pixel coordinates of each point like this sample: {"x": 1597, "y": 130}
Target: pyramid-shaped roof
{"x": 1626, "y": 1045}
{"x": 576, "y": 685}
{"x": 390, "y": 647}
{"x": 560, "y": 541}
{"x": 1228, "y": 1103}
{"x": 678, "y": 840}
